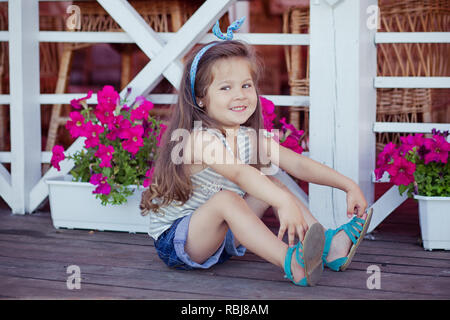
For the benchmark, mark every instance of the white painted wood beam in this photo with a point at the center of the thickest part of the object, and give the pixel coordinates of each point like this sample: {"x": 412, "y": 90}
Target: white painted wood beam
{"x": 161, "y": 98}
{"x": 343, "y": 102}
{"x": 23, "y": 16}
{"x": 412, "y": 82}
{"x": 281, "y": 39}
{"x": 409, "y": 127}
{"x": 6, "y": 191}
{"x": 4, "y": 36}
{"x": 143, "y": 35}
{"x": 385, "y": 205}
{"x": 412, "y": 37}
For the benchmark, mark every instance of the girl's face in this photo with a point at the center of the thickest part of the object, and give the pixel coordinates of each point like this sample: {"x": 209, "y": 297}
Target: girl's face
{"x": 231, "y": 98}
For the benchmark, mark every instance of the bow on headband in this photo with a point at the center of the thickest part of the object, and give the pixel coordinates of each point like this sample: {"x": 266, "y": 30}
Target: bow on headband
{"x": 216, "y": 31}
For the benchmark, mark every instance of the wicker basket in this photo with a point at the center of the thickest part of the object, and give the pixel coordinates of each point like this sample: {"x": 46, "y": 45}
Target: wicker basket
{"x": 296, "y": 20}
{"x": 418, "y": 59}
{"x": 411, "y": 60}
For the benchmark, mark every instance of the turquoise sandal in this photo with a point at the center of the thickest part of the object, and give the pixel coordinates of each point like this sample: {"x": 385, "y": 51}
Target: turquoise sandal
{"x": 310, "y": 258}
{"x": 355, "y": 232}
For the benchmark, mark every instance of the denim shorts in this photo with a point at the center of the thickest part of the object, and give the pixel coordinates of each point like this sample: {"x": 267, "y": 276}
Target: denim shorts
{"x": 170, "y": 247}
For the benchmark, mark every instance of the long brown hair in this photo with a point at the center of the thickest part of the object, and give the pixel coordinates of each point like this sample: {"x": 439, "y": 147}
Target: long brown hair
{"x": 171, "y": 181}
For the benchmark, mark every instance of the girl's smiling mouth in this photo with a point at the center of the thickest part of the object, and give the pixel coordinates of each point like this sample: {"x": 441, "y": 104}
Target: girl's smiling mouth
{"x": 238, "y": 108}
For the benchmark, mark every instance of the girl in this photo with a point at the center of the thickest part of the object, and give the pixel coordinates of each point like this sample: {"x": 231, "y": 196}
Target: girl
{"x": 204, "y": 209}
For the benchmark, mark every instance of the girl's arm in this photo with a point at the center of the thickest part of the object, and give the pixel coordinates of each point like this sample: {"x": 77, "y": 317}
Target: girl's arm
{"x": 210, "y": 151}
{"x": 309, "y": 170}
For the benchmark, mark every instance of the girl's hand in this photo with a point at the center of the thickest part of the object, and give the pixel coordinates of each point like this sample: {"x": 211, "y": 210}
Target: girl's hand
{"x": 356, "y": 202}
{"x": 291, "y": 220}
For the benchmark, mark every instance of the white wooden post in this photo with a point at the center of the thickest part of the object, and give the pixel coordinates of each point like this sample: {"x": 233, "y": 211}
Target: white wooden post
{"x": 24, "y": 106}
{"x": 238, "y": 10}
{"x": 144, "y": 36}
{"x": 343, "y": 101}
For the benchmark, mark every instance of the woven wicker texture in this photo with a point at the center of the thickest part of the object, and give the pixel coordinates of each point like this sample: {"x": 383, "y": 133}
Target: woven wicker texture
{"x": 409, "y": 60}
{"x": 418, "y": 59}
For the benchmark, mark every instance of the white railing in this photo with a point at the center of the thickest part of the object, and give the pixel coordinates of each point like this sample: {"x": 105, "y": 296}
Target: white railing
{"x": 340, "y": 94}
{"x": 392, "y": 199}
{"x": 164, "y": 49}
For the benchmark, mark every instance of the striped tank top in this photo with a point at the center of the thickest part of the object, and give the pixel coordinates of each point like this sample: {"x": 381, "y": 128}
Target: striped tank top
{"x": 205, "y": 184}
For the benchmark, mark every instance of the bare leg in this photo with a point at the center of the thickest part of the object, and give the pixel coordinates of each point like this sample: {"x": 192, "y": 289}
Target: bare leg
{"x": 209, "y": 224}
{"x": 258, "y": 205}
{"x": 340, "y": 244}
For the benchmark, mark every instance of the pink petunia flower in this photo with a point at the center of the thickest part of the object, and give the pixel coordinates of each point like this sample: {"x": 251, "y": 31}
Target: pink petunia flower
{"x": 76, "y": 124}
{"x": 108, "y": 98}
{"x": 162, "y": 129}
{"x": 142, "y": 111}
{"x": 92, "y": 133}
{"x": 101, "y": 182}
{"x": 401, "y": 171}
{"x": 133, "y": 139}
{"x": 292, "y": 143}
{"x": 290, "y": 129}
{"x": 57, "y": 156}
{"x": 105, "y": 153}
{"x": 411, "y": 141}
{"x": 79, "y": 103}
{"x": 119, "y": 124}
{"x": 149, "y": 175}
{"x": 386, "y": 156}
{"x": 439, "y": 149}
{"x": 105, "y": 114}
{"x": 385, "y": 159}
{"x": 268, "y": 112}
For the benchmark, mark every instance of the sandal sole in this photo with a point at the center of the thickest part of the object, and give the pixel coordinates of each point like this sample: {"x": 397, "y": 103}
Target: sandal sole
{"x": 313, "y": 246}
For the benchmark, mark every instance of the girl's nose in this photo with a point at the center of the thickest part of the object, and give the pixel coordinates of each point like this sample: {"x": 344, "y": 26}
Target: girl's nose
{"x": 240, "y": 94}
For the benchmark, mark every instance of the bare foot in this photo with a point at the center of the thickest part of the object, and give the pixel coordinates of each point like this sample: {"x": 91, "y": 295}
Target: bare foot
{"x": 341, "y": 244}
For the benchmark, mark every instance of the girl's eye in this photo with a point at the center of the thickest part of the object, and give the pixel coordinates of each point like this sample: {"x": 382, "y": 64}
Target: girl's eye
{"x": 225, "y": 88}
{"x": 247, "y": 85}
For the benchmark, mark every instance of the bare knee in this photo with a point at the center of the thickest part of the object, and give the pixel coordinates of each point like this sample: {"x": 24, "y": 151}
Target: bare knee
{"x": 228, "y": 202}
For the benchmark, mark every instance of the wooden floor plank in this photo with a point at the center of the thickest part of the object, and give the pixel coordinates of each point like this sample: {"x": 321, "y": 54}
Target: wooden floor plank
{"x": 38, "y": 289}
{"x": 196, "y": 282}
{"x": 34, "y": 257}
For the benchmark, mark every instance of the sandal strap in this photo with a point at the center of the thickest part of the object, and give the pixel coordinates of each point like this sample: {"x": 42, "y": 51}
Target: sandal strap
{"x": 299, "y": 260}
{"x": 352, "y": 229}
{"x": 299, "y": 254}
{"x": 287, "y": 263}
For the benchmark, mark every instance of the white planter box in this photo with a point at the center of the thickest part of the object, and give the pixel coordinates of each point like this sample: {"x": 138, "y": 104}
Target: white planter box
{"x": 73, "y": 206}
{"x": 434, "y": 216}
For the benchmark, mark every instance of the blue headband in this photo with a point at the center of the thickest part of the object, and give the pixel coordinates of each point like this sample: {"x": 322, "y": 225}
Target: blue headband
{"x": 216, "y": 31}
